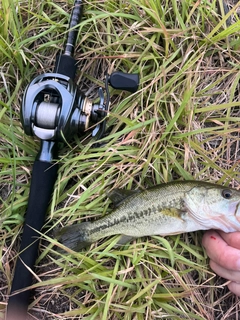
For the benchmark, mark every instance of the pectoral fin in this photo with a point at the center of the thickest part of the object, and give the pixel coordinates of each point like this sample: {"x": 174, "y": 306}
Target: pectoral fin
{"x": 173, "y": 212}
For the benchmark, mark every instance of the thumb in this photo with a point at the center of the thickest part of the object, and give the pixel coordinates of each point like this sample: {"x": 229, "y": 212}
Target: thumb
{"x": 232, "y": 238}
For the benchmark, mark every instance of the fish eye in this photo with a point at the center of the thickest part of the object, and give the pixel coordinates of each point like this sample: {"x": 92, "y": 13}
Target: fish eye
{"x": 227, "y": 194}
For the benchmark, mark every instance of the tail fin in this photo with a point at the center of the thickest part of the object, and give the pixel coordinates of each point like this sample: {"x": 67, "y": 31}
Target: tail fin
{"x": 75, "y": 237}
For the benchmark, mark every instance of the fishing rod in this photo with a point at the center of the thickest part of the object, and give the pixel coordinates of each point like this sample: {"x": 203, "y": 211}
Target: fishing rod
{"x": 53, "y": 109}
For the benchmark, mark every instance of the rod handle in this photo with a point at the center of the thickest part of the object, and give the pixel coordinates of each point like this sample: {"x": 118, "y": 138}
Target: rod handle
{"x": 44, "y": 176}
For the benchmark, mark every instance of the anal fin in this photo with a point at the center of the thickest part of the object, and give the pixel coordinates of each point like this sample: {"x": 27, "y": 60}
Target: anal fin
{"x": 124, "y": 239}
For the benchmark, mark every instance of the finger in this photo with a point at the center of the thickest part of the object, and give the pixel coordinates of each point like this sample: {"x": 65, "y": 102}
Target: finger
{"x": 234, "y": 287}
{"x": 220, "y": 252}
{"x": 225, "y": 273}
{"x": 232, "y": 238}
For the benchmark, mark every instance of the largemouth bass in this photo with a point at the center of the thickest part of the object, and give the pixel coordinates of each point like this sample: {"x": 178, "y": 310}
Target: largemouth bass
{"x": 166, "y": 209}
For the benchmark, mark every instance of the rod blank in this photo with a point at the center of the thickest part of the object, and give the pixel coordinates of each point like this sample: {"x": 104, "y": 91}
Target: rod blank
{"x": 73, "y": 31}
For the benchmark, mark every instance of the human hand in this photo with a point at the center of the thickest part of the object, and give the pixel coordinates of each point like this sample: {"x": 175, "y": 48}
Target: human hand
{"x": 223, "y": 250}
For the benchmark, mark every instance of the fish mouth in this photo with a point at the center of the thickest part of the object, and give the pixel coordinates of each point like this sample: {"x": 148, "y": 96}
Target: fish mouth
{"x": 237, "y": 211}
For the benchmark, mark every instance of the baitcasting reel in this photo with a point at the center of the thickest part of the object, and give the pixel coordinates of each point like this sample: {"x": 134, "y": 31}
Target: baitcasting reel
{"x": 54, "y": 109}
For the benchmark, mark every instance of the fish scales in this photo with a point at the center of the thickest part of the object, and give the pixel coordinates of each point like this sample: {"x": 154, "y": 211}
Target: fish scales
{"x": 165, "y": 209}
{"x": 153, "y": 203}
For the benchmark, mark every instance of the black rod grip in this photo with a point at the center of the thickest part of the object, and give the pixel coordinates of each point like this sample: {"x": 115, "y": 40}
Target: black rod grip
{"x": 43, "y": 179}
{"x": 65, "y": 65}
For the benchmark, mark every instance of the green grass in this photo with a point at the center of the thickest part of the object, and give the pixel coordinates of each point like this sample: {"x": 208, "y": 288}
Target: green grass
{"x": 183, "y": 123}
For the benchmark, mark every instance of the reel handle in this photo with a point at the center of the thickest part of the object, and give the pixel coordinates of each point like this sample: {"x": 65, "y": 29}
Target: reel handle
{"x": 124, "y": 81}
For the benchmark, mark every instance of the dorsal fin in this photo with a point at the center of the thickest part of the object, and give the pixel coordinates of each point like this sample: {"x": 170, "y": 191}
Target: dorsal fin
{"x": 117, "y": 196}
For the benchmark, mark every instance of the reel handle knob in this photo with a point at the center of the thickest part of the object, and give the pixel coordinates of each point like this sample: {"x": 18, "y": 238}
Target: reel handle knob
{"x": 124, "y": 81}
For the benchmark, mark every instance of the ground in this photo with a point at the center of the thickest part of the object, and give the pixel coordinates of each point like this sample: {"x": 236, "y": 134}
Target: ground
{"x": 183, "y": 123}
